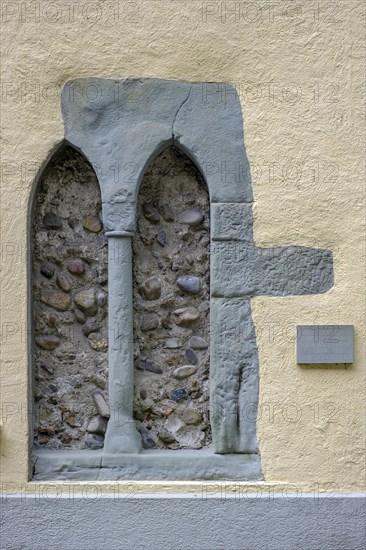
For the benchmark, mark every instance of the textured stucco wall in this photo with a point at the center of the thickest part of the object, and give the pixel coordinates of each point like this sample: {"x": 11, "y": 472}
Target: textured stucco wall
{"x": 184, "y": 523}
{"x": 299, "y": 71}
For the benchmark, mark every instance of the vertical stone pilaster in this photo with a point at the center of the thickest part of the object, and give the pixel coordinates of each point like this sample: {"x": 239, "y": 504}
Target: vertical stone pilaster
{"x": 121, "y": 436}
{"x": 234, "y": 377}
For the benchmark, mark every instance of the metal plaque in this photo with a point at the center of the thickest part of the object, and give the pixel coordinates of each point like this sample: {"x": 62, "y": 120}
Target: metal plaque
{"x": 324, "y": 344}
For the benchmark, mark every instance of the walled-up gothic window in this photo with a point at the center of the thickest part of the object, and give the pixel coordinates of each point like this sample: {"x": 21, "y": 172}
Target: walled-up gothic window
{"x": 178, "y": 343}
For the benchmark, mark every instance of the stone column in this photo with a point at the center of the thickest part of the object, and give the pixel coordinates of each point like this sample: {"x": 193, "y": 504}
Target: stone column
{"x": 121, "y": 436}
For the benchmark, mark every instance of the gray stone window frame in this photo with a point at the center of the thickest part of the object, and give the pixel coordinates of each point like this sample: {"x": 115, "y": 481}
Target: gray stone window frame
{"x": 120, "y": 127}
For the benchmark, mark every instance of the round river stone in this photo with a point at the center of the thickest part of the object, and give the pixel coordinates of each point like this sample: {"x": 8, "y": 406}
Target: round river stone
{"x": 179, "y": 394}
{"x": 52, "y": 221}
{"x": 150, "y": 289}
{"x": 197, "y": 342}
{"x": 76, "y": 267}
{"x": 189, "y": 284}
{"x": 184, "y": 372}
{"x": 191, "y": 217}
{"x": 149, "y": 322}
{"x": 191, "y": 357}
{"x": 48, "y": 269}
{"x": 185, "y": 316}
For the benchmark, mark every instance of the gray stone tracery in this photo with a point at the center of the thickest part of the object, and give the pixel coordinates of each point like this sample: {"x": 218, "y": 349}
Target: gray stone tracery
{"x": 120, "y": 130}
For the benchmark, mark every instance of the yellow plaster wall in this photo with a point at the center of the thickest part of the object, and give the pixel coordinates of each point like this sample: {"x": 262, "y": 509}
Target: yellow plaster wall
{"x": 298, "y": 67}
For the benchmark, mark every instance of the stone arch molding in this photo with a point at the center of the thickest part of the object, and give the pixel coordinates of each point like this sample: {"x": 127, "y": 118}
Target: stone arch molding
{"x": 120, "y": 127}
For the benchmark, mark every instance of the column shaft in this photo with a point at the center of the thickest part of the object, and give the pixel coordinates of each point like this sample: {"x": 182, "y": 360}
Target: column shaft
{"x": 121, "y": 436}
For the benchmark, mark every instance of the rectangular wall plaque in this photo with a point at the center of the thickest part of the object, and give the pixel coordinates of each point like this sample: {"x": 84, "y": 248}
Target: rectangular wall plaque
{"x": 325, "y": 344}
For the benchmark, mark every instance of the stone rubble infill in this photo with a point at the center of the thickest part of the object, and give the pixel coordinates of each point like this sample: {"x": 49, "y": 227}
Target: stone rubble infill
{"x": 63, "y": 282}
{"x": 52, "y": 221}
{"x": 55, "y": 299}
{"x": 97, "y": 425}
{"x": 171, "y": 306}
{"x": 196, "y": 342}
{"x": 149, "y": 322}
{"x": 75, "y": 266}
{"x": 98, "y": 342}
{"x": 191, "y": 217}
{"x": 69, "y": 306}
{"x": 86, "y": 301}
{"x": 189, "y": 284}
{"x": 101, "y": 404}
{"x": 150, "y": 288}
{"x": 47, "y": 342}
{"x": 92, "y": 223}
{"x": 191, "y": 357}
{"x": 184, "y": 371}
{"x": 48, "y": 269}
{"x": 185, "y": 316}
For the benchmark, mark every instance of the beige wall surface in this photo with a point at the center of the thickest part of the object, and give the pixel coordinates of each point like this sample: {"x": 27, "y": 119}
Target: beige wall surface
{"x": 299, "y": 69}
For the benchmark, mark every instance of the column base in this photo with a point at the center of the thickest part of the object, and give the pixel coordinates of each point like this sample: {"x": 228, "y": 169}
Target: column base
{"x": 123, "y": 439}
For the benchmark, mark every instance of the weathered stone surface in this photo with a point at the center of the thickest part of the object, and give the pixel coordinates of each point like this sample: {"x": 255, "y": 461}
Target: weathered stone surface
{"x": 63, "y": 282}
{"x": 191, "y": 217}
{"x": 48, "y": 269}
{"x": 197, "y": 342}
{"x": 79, "y": 315}
{"x": 171, "y": 180}
{"x": 191, "y": 356}
{"x": 74, "y": 223}
{"x": 150, "y": 213}
{"x": 166, "y": 212}
{"x": 47, "y": 368}
{"x": 179, "y": 394}
{"x": 53, "y": 319}
{"x": 232, "y": 221}
{"x": 147, "y": 441}
{"x": 98, "y": 342}
{"x": 72, "y": 421}
{"x": 149, "y": 322}
{"x": 68, "y": 188}
{"x": 234, "y": 364}
{"x": 185, "y": 316}
{"x": 172, "y": 343}
{"x": 269, "y": 271}
{"x": 86, "y": 300}
{"x": 97, "y": 425}
{"x": 151, "y": 366}
{"x": 47, "y": 342}
{"x": 166, "y": 437}
{"x": 76, "y": 267}
{"x": 90, "y": 326}
{"x": 101, "y": 404}
{"x": 191, "y": 416}
{"x": 189, "y": 284}
{"x": 184, "y": 371}
{"x": 55, "y": 299}
{"x": 52, "y": 221}
{"x": 101, "y": 299}
{"x": 92, "y": 223}
{"x": 94, "y": 441}
{"x": 150, "y": 288}
{"x": 161, "y": 237}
